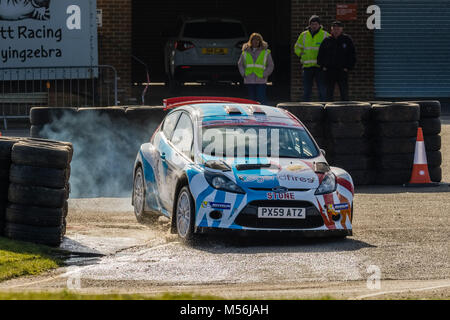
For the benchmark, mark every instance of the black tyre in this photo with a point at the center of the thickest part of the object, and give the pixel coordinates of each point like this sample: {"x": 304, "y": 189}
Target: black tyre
{"x": 34, "y": 216}
{"x": 430, "y": 126}
{"x": 396, "y": 112}
{"x": 45, "y": 155}
{"x": 139, "y": 195}
{"x": 37, "y": 196}
{"x": 379, "y": 102}
{"x": 305, "y": 111}
{"x": 433, "y": 142}
{"x": 113, "y": 113}
{"x": 429, "y": 109}
{"x": 43, "y": 115}
{"x": 362, "y": 177}
{"x": 349, "y": 146}
{"x": 348, "y": 112}
{"x": 435, "y": 174}
{"x": 146, "y": 117}
{"x": 51, "y": 236}
{"x": 37, "y": 176}
{"x": 434, "y": 158}
{"x": 36, "y": 131}
{"x": 394, "y": 145}
{"x": 347, "y": 130}
{"x": 352, "y": 162}
{"x": 401, "y": 161}
{"x": 393, "y": 177}
{"x": 315, "y": 128}
{"x": 397, "y": 129}
{"x": 185, "y": 215}
{"x": 6, "y": 145}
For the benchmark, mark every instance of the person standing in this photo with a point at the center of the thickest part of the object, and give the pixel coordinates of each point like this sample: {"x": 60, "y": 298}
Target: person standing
{"x": 307, "y": 47}
{"x": 255, "y": 66}
{"x": 337, "y": 56}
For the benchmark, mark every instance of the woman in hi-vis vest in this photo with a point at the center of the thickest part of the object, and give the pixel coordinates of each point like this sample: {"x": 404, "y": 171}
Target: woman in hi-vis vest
{"x": 255, "y": 66}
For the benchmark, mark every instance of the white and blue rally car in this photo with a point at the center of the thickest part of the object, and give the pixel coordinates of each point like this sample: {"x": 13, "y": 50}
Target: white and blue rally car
{"x": 228, "y": 163}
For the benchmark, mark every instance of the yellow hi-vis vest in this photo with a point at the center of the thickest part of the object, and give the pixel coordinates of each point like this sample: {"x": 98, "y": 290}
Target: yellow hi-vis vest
{"x": 307, "y": 47}
{"x": 257, "y": 67}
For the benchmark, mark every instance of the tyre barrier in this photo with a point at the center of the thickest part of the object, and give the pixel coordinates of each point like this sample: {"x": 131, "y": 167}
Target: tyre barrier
{"x": 375, "y": 141}
{"x": 311, "y": 114}
{"x": 106, "y": 141}
{"x": 348, "y": 137}
{"x": 361, "y": 129}
{"x": 34, "y": 189}
{"x": 430, "y": 113}
{"x": 395, "y": 132}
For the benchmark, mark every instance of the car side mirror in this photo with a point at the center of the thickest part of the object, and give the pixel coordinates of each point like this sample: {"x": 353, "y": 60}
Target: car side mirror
{"x": 323, "y": 152}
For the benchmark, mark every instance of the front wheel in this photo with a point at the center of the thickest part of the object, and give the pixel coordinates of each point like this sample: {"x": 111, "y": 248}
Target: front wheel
{"x": 185, "y": 217}
{"x": 139, "y": 195}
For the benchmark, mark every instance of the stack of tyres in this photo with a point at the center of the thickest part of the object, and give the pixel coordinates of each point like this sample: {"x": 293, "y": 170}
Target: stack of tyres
{"x": 312, "y": 115}
{"x": 38, "y": 191}
{"x": 348, "y": 132}
{"x": 430, "y": 122}
{"x": 394, "y": 141}
{"x": 41, "y": 119}
{"x": 6, "y": 145}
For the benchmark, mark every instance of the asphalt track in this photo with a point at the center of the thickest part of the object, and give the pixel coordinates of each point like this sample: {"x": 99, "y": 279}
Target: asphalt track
{"x": 401, "y": 238}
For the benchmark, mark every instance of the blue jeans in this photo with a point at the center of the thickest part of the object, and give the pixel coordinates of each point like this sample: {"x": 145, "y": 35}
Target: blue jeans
{"x": 257, "y": 92}
{"x": 308, "y": 78}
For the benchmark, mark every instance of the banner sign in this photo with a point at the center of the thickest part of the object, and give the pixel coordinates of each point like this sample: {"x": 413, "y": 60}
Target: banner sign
{"x": 48, "y": 33}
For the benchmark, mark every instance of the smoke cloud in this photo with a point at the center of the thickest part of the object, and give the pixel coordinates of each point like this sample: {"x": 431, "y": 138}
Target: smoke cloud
{"x": 105, "y": 149}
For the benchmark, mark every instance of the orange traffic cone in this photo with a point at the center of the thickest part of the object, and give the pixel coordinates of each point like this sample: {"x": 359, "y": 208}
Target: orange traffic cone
{"x": 420, "y": 176}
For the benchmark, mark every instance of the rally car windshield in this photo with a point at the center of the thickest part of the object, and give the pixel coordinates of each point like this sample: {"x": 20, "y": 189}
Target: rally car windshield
{"x": 250, "y": 141}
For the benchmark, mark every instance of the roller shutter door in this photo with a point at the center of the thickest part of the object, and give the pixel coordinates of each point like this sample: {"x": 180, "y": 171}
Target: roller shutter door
{"x": 412, "y": 49}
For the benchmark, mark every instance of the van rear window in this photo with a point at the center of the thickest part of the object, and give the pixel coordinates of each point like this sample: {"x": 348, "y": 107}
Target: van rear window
{"x": 213, "y": 30}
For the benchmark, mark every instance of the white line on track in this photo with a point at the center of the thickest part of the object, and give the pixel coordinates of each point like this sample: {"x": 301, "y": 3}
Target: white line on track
{"x": 399, "y": 291}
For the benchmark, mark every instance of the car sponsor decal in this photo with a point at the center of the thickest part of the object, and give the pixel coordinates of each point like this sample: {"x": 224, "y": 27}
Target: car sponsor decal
{"x": 296, "y": 168}
{"x": 295, "y": 178}
{"x": 280, "y": 196}
{"x": 216, "y": 205}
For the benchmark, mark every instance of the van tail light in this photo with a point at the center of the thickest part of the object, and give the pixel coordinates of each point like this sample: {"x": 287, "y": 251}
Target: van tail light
{"x": 183, "y": 45}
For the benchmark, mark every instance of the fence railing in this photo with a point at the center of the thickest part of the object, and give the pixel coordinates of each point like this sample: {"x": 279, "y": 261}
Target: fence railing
{"x": 74, "y": 86}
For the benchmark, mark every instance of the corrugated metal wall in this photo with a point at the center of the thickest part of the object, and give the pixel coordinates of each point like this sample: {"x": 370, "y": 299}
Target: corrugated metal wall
{"x": 412, "y": 49}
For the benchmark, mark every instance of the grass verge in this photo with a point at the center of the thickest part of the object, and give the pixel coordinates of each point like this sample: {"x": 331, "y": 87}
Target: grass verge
{"x": 67, "y": 295}
{"x": 21, "y": 259}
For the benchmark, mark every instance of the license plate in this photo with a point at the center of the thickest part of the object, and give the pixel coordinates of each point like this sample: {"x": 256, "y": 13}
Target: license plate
{"x": 215, "y": 51}
{"x": 282, "y": 213}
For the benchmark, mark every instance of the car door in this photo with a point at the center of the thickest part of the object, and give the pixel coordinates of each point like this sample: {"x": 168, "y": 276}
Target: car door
{"x": 165, "y": 151}
{"x": 182, "y": 143}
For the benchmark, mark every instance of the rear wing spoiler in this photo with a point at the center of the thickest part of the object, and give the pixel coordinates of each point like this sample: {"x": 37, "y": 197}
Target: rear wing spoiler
{"x": 171, "y": 103}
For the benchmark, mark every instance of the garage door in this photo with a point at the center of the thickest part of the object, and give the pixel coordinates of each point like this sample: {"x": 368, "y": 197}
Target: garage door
{"x": 412, "y": 49}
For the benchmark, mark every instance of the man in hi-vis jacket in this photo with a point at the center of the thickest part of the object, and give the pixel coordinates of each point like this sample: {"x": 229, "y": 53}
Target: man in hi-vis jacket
{"x": 307, "y": 48}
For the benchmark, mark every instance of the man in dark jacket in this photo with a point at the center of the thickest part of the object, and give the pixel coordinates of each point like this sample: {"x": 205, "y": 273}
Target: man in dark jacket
{"x": 337, "y": 57}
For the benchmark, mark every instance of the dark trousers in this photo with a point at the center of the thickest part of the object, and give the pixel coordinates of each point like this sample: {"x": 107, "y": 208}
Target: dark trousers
{"x": 257, "y": 92}
{"x": 339, "y": 76}
{"x": 309, "y": 74}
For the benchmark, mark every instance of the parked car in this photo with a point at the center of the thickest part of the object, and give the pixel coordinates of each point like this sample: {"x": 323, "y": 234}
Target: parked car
{"x": 204, "y": 50}
{"x": 190, "y": 173}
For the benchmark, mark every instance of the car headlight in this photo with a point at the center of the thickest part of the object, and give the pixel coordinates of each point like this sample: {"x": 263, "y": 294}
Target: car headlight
{"x": 328, "y": 184}
{"x": 220, "y": 182}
